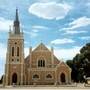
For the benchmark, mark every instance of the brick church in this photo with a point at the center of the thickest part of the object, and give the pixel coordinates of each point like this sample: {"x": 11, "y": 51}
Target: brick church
{"x": 40, "y": 67}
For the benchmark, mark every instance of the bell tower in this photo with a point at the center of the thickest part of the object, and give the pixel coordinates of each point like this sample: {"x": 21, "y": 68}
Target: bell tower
{"x": 14, "y": 68}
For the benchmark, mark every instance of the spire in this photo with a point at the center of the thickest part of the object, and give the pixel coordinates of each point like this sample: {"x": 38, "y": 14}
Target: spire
{"x": 16, "y": 23}
{"x": 16, "y": 15}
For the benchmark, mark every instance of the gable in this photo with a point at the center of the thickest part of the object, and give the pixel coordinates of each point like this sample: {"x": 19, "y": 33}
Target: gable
{"x": 63, "y": 64}
{"x": 42, "y": 50}
{"x": 40, "y": 47}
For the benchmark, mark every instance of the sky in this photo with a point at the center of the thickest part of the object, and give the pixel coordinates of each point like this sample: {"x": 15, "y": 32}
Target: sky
{"x": 61, "y": 24}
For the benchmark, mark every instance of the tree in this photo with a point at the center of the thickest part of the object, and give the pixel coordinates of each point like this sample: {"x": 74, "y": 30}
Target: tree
{"x": 1, "y": 80}
{"x": 80, "y": 64}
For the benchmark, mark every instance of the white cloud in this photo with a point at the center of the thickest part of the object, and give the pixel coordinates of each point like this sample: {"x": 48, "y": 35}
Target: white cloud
{"x": 88, "y": 4}
{"x": 39, "y": 27}
{"x": 4, "y": 24}
{"x": 2, "y": 52}
{"x": 66, "y": 53}
{"x": 26, "y": 43}
{"x": 74, "y": 32}
{"x": 85, "y": 38}
{"x": 45, "y": 1}
{"x": 36, "y": 29}
{"x": 26, "y": 51}
{"x": 80, "y": 22}
{"x": 2, "y": 58}
{"x": 62, "y": 41}
{"x": 32, "y": 34}
{"x": 50, "y": 10}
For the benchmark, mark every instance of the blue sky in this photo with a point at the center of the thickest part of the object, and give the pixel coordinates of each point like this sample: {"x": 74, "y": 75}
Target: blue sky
{"x": 63, "y": 24}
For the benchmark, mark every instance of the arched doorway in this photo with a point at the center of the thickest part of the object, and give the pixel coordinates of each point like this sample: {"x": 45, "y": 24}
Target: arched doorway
{"x": 14, "y": 78}
{"x": 62, "y": 78}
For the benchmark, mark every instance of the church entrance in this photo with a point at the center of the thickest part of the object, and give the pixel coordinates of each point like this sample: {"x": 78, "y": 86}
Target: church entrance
{"x": 63, "y": 78}
{"x": 14, "y": 78}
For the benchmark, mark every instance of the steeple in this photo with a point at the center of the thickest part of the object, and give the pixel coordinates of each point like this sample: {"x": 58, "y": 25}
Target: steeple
{"x": 16, "y": 24}
{"x": 17, "y": 15}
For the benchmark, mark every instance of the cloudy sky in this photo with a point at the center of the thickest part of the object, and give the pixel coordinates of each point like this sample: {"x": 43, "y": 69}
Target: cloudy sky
{"x": 63, "y": 24}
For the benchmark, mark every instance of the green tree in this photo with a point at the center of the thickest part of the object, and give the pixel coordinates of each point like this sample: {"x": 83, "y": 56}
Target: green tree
{"x": 1, "y": 80}
{"x": 80, "y": 64}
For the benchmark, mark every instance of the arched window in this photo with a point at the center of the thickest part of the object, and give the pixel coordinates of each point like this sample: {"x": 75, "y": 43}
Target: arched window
{"x": 12, "y": 51}
{"x": 49, "y": 76}
{"x": 17, "y": 51}
{"x": 35, "y": 76}
{"x": 41, "y": 63}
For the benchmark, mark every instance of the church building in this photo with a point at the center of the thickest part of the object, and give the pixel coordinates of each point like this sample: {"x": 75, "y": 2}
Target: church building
{"x": 40, "y": 67}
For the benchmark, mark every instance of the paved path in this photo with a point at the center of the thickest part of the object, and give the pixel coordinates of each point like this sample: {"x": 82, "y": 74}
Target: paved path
{"x": 76, "y": 87}
{"x": 45, "y": 88}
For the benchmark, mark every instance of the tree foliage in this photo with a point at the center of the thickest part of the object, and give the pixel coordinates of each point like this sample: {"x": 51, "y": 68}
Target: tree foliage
{"x": 1, "y": 80}
{"x": 80, "y": 64}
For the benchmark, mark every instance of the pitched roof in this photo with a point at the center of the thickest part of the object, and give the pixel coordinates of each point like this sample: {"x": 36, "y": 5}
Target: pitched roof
{"x": 63, "y": 64}
{"x": 41, "y": 46}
